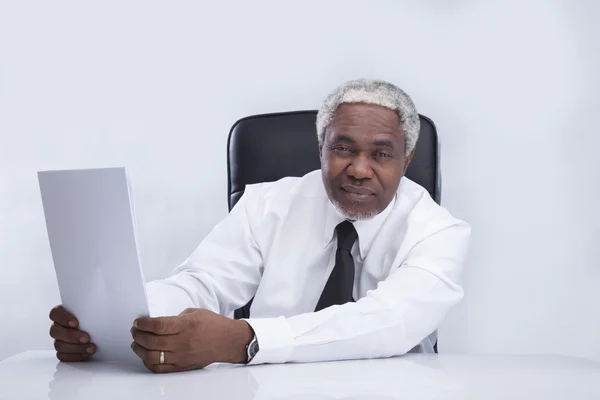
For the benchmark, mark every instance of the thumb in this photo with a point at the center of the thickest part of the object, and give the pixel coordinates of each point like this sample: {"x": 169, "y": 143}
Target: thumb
{"x": 160, "y": 325}
{"x": 189, "y": 311}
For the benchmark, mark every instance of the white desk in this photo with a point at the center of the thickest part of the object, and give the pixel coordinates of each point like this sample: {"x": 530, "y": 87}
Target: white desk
{"x": 38, "y": 375}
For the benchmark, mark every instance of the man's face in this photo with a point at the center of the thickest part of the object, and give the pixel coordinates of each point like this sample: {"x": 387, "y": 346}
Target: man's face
{"x": 363, "y": 159}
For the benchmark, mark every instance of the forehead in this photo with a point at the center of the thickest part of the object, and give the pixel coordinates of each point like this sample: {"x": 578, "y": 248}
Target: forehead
{"x": 366, "y": 115}
{"x": 366, "y": 118}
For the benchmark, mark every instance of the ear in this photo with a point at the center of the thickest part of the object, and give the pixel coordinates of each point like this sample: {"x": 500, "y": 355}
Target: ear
{"x": 407, "y": 161}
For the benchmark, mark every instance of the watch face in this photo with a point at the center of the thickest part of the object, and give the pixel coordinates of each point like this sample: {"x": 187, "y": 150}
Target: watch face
{"x": 252, "y": 349}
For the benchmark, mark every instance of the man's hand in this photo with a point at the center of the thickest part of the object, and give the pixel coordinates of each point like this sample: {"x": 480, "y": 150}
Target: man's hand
{"x": 70, "y": 343}
{"x": 191, "y": 340}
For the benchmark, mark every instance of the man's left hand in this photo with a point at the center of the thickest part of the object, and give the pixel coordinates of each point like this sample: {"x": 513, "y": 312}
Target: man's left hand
{"x": 191, "y": 340}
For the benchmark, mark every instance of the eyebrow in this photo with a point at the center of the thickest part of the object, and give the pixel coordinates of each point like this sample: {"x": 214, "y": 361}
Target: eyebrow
{"x": 378, "y": 143}
{"x": 384, "y": 143}
{"x": 343, "y": 138}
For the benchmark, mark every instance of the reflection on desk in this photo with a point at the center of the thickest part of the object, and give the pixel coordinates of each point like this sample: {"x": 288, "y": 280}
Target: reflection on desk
{"x": 38, "y": 375}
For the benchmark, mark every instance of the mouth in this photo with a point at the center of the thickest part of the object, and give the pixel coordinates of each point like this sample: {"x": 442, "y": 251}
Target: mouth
{"x": 357, "y": 194}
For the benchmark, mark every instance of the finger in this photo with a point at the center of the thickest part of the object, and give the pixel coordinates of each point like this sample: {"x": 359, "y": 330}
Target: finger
{"x": 166, "y": 368}
{"x": 68, "y": 335}
{"x": 152, "y": 341}
{"x": 151, "y": 356}
{"x": 161, "y": 325}
{"x": 72, "y": 357}
{"x": 59, "y": 315}
{"x": 189, "y": 311}
{"x": 161, "y": 368}
{"x": 64, "y": 347}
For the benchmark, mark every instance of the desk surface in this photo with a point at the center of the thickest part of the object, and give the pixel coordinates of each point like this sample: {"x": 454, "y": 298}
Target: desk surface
{"x": 38, "y": 375}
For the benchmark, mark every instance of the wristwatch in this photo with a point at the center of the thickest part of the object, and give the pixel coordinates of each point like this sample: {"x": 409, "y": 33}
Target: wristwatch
{"x": 252, "y": 349}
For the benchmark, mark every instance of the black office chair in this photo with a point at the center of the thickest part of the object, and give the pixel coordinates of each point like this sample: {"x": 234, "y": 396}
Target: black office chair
{"x": 268, "y": 147}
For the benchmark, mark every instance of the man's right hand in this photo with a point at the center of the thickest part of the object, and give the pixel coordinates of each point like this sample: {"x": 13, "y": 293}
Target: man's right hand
{"x": 70, "y": 343}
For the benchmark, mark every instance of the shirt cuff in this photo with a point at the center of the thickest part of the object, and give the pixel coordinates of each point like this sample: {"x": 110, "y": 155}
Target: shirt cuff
{"x": 275, "y": 340}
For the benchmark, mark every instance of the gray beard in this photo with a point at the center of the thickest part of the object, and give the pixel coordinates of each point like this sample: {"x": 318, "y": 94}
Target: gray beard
{"x": 352, "y": 216}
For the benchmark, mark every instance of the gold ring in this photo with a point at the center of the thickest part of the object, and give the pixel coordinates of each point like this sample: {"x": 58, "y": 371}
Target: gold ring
{"x": 161, "y": 360}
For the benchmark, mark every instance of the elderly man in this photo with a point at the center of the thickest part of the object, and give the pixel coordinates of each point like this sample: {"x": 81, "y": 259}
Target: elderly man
{"x": 350, "y": 261}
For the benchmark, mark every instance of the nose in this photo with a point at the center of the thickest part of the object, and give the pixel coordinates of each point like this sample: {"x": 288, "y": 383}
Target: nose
{"x": 360, "y": 168}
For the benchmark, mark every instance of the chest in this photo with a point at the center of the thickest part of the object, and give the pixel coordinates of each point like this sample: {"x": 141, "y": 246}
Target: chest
{"x": 297, "y": 263}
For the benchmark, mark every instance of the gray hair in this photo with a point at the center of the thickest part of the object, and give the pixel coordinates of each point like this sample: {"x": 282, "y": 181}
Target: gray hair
{"x": 376, "y": 92}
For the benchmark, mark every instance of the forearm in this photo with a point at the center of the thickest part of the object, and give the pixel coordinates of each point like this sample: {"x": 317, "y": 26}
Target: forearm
{"x": 170, "y": 296}
{"x": 221, "y": 275}
{"x": 194, "y": 287}
{"x": 378, "y": 325}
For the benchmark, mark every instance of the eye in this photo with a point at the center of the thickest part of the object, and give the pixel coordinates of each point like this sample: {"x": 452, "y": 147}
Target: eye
{"x": 383, "y": 155}
{"x": 341, "y": 148}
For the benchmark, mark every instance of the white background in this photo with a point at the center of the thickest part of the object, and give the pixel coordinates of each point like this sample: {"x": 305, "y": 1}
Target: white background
{"x": 155, "y": 86}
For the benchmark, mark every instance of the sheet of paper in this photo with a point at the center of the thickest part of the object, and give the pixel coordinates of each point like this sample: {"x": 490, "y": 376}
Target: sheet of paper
{"x": 91, "y": 228}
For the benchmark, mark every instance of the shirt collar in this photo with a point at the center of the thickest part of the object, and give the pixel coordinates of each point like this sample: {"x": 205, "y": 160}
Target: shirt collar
{"x": 367, "y": 230}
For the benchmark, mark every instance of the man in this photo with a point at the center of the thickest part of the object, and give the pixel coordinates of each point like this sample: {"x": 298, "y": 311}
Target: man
{"x": 351, "y": 261}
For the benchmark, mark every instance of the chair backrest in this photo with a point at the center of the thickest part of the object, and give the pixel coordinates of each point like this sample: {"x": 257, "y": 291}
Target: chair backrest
{"x": 268, "y": 147}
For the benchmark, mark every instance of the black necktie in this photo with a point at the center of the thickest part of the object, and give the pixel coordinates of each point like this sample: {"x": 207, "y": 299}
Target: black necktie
{"x": 338, "y": 289}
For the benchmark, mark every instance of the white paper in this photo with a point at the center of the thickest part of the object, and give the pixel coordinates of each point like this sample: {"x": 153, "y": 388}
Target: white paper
{"x": 91, "y": 228}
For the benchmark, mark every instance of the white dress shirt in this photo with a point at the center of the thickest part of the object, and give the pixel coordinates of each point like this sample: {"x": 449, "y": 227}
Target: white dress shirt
{"x": 278, "y": 245}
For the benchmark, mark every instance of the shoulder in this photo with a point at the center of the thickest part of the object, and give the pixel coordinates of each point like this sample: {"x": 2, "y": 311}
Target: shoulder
{"x": 423, "y": 214}
{"x": 433, "y": 239}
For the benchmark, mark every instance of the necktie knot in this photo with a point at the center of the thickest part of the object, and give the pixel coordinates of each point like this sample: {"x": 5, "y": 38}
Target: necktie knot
{"x": 346, "y": 235}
